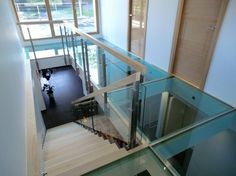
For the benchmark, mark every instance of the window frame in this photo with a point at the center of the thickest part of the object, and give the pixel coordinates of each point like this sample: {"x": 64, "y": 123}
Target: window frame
{"x": 50, "y": 20}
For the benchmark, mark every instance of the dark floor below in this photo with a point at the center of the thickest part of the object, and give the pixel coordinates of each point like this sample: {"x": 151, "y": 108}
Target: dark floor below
{"x": 67, "y": 87}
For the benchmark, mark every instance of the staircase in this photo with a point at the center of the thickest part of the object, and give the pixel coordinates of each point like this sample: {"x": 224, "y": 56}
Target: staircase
{"x": 71, "y": 150}
{"x": 112, "y": 139}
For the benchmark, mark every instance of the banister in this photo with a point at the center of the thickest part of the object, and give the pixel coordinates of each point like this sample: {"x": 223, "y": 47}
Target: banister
{"x": 126, "y": 81}
{"x": 132, "y": 63}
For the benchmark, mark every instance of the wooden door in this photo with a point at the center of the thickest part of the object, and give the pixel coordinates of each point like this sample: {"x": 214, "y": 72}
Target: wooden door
{"x": 137, "y": 26}
{"x": 198, "y": 31}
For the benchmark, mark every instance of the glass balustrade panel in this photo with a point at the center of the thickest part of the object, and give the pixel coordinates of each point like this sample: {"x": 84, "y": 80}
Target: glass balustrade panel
{"x": 140, "y": 163}
{"x": 153, "y": 72}
{"x": 208, "y": 149}
{"x": 171, "y": 104}
{"x": 109, "y": 113}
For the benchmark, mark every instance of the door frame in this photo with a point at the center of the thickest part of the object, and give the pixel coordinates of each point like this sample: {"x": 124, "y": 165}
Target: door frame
{"x": 178, "y": 23}
{"x": 130, "y": 26}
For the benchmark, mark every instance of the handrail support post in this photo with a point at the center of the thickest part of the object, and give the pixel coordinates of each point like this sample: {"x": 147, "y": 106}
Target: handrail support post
{"x": 63, "y": 46}
{"x": 32, "y": 45}
{"x": 74, "y": 54}
{"x": 104, "y": 75}
{"x": 84, "y": 64}
{"x": 135, "y": 115}
{"x": 87, "y": 66}
{"x": 67, "y": 43}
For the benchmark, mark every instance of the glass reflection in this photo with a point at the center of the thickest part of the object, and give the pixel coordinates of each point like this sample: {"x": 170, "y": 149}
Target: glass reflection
{"x": 141, "y": 163}
{"x": 205, "y": 150}
{"x": 171, "y": 104}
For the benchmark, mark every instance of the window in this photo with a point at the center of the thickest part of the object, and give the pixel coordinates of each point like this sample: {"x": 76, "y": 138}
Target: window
{"x": 31, "y": 10}
{"x": 86, "y": 15}
{"x": 37, "y": 31}
{"x": 41, "y": 16}
{"x": 61, "y": 10}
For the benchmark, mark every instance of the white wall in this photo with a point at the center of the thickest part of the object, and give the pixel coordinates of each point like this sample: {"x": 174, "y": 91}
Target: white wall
{"x": 12, "y": 108}
{"x": 114, "y": 21}
{"x": 160, "y": 31}
{"x": 221, "y": 81}
{"x": 160, "y": 27}
{"x": 41, "y": 129}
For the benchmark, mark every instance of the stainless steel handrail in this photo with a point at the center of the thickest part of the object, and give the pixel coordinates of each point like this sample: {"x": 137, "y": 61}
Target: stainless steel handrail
{"x": 132, "y": 63}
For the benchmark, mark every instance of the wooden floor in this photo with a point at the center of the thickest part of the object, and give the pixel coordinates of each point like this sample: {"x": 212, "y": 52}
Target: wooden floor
{"x": 67, "y": 87}
{"x": 71, "y": 150}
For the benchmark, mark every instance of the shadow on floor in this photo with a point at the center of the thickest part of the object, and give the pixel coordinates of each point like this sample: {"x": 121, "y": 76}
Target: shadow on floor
{"x": 67, "y": 87}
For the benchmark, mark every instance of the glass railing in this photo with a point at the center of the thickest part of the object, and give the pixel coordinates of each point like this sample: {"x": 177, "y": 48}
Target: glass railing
{"x": 101, "y": 67}
{"x": 208, "y": 149}
{"x": 112, "y": 113}
{"x": 153, "y": 72}
{"x": 165, "y": 103}
{"x": 68, "y": 37}
{"x": 171, "y": 104}
{"x": 122, "y": 100}
{"x": 104, "y": 67}
{"x": 141, "y": 163}
{"x": 45, "y": 50}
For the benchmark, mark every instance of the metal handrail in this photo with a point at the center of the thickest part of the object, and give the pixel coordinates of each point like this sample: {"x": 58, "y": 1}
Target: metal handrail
{"x": 134, "y": 79}
{"x": 132, "y": 63}
{"x": 119, "y": 84}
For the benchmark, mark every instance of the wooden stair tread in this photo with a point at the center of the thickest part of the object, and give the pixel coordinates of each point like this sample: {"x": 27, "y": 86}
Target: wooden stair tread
{"x": 62, "y": 128}
{"x": 74, "y": 152}
{"x": 68, "y": 135}
{"x": 78, "y": 160}
{"x": 53, "y": 148}
{"x": 58, "y": 134}
{"x": 58, "y": 150}
{"x": 96, "y": 163}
